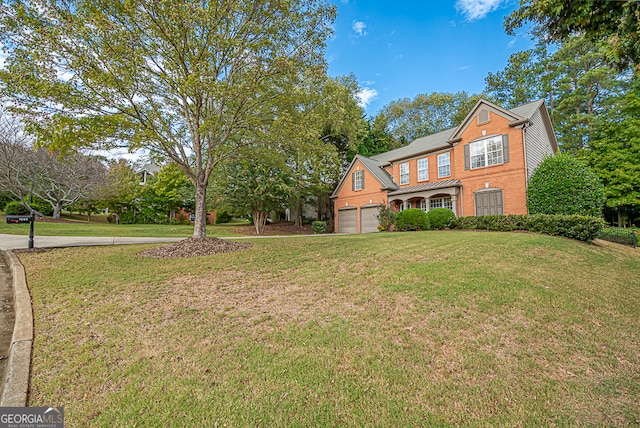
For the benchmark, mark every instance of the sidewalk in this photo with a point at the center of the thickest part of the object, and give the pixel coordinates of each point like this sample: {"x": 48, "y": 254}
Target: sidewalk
{"x": 14, "y": 242}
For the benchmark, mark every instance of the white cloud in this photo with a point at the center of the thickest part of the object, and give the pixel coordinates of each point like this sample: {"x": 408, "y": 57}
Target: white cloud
{"x": 359, "y": 27}
{"x": 512, "y": 43}
{"x": 477, "y": 9}
{"x": 366, "y": 95}
{"x": 464, "y": 67}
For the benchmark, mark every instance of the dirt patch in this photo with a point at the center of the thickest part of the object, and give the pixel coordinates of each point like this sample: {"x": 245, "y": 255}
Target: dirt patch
{"x": 193, "y": 247}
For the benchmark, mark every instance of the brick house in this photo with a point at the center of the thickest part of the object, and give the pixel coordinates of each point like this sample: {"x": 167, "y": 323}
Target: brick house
{"x": 481, "y": 167}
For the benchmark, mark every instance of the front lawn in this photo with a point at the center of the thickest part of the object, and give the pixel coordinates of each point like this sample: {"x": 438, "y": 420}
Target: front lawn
{"x": 83, "y": 228}
{"x": 404, "y": 329}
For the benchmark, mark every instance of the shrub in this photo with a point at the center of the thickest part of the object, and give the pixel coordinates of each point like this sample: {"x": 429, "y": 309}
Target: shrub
{"x": 223, "y": 217}
{"x": 582, "y": 228}
{"x": 15, "y": 208}
{"x": 412, "y": 219}
{"x": 319, "y": 226}
{"x": 563, "y": 185}
{"x": 439, "y": 218}
{"x": 5, "y": 198}
{"x": 42, "y": 207}
{"x": 386, "y": 218}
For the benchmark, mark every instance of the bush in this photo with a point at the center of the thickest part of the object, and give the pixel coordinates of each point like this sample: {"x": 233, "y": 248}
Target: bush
{"x": 16, "y": 208}
{"x": 386, "y": 218}
{"x": 563, "y": 185}
{"x": 582, "y": 228}
{"x": 439, "y": 218}
{"x": 319, "y": 226}
{"x": 5, "y": 198}
{"x": 42, "y": 207}
{"x": 412, "y": 219}
{"x": 223, "y": 217}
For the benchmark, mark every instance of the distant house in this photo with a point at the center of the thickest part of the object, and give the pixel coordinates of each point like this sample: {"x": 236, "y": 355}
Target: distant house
{"x": 147, "y": 171}
{"x": 481, "y": 167}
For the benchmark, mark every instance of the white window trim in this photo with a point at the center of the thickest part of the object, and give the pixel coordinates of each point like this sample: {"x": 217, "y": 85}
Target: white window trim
{"x": 440, "y": 202}
{"x": 485, "y": 154}
{"x": 425, "y": 169}
{"x": 358, "y": 183}
{"x": 440, "y": 165}
{"x": 405, "y": 174}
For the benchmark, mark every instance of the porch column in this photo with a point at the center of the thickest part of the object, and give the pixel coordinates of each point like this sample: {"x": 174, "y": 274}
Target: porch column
{"x": 454, "y": 204}
{"x": 404, "y": 204}
{"x": 427, "y": 204}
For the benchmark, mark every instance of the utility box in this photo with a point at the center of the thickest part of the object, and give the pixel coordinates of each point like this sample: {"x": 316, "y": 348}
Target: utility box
{"x": 14, "y": 219}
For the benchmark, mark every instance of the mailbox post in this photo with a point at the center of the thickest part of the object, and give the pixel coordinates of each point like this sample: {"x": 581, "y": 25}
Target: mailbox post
{"x": 16, "y": 219}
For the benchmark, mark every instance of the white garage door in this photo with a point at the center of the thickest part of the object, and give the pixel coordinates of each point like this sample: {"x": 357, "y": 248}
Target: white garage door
{"x": 348, "y": 221}
{"x": 368, "y": 220}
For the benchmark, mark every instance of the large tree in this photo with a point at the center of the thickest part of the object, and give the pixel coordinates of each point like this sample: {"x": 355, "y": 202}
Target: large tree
{"x": 616, "y": 21}
{"x": 189, "y": 80}
{"x": 614, "y": 154}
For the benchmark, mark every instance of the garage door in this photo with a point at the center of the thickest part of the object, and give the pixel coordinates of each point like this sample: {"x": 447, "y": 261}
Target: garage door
{"x": 489, "y": 202}
{"x": 368, "y": 220}
{"x": 347, "y": 221}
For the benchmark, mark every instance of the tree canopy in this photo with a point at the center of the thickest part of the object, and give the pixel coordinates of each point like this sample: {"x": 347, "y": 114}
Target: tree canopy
{"x": 616, "y": 21}
{"x": 192, "y": 81}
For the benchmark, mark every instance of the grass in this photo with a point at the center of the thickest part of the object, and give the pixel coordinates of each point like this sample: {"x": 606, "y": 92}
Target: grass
{"x": 83, "y": 228}
{"x": 404, "y": 329}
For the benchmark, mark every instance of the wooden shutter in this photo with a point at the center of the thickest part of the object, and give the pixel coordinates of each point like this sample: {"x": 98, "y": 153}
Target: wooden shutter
{"x": 467, "y": 162}
{"x": 505, "y": 148}
{"x": 353, "y": 181}
{"x": 363, "y": 179}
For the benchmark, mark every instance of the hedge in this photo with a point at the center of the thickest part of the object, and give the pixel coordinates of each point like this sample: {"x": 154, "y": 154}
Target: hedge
{"x": 582, "y": 228}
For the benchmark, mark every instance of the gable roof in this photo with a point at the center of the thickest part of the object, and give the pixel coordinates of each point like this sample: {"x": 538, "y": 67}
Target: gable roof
{"x": 375, "y": 168}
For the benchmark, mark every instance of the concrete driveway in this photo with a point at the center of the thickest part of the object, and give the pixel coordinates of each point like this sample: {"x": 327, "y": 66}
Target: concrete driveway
{"x": 14, "y": 242}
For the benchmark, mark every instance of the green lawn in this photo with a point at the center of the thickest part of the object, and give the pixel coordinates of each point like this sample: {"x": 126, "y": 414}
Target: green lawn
{"x": 82, "y": 228}
{"x": 404, "y": 329}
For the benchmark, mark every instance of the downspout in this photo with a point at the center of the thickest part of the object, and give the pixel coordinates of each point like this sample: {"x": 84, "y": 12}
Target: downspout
{"x": 526, "y": 158}
{"x": 461, "y": 202}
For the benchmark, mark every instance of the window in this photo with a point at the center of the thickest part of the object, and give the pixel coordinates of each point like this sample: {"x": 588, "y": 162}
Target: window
{"x": 358, "y": 180}
{"x": 404, "y": 173}
{"x": 423, "y": 204}
{"x": 486, "y": 152}
{"x": 444, "y": 165}
{"x": 423, "y": 169}
{"x": 444, "y": 202}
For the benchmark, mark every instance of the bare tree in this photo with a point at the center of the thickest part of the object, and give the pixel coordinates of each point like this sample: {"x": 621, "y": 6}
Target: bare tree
{"x": 58, "y": 180}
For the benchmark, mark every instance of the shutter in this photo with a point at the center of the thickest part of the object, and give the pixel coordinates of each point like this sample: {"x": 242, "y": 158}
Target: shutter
{"x": 353, "y": 181}
{"x": 466, "y": 157}
{"x": 505, "y": 148}
{"x": 363, "y": 179}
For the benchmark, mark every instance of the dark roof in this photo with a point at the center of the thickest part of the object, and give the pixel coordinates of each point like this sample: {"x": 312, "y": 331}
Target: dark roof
{"x": 441, "y": 140}
{"x": 426, "y": 186}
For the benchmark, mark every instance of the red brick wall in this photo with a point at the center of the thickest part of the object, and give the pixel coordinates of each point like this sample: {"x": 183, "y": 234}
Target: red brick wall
{"x": 509, "y": 176}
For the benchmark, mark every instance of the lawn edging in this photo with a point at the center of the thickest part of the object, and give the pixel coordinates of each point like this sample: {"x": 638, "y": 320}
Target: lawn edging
{"x": 16, "y": 381}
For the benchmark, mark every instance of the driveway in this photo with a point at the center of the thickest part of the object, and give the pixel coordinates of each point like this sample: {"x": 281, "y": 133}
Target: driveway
{"x": 14, "y": 242}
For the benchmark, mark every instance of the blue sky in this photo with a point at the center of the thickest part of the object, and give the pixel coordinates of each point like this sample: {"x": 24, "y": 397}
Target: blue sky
{"x": 403, "y": 48}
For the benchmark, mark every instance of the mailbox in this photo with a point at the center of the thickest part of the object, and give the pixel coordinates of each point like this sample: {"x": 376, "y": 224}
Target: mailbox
{"x": 19, "y": 219}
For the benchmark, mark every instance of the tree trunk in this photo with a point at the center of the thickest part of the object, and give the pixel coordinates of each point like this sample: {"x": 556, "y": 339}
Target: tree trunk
{"x": 57, "y": 210}
{"x": 259, "y": 220}
{"x": 200, "y": 223}
{"x": 619, "y": 211}
{"x": 299, "y": 220}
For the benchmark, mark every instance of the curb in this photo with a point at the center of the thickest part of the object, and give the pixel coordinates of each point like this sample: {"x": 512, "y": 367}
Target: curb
{"x": 16, "y": 382}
